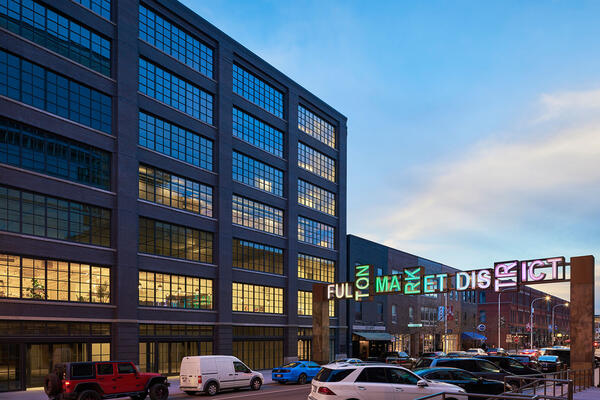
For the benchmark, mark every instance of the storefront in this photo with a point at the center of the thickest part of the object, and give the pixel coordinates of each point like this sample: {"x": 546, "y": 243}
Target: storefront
{"x": 369, "y": 345}
{"x": 29, "y": 349}
{"x": 259, "y": 347}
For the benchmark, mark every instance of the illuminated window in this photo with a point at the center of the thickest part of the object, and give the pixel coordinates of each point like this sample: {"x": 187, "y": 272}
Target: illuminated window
{"x": 316, "y": 162}
{"x": 305, "y": 304}
{"x": 257, "y": 91}
{"x": 174, "y": 91}
{"x": 257, "y": 133}
{"x": 170, "y": 240}
{"x": 257, "y": 299}
{"x": 55, "y": 31}
{"x": 257, "y": 257}
{"x": 100, "y": 7}
{"x": 257, "y": 174}
{"x": 315, "y": 268}
{"x": 51, "y": 280}
{"x": 316, "y": 198}
{"x": 35, "y": 214}
{"x": 174, "y": 291}
{"x": 315, "y": 126}
{"x": 39, "y": 87}
{"x": 100, "y": 351}
{"x": 316, "y": 233}
{"x": 253, "y": 214}
{"x": 174, "y": 41}
{"x": 161, "y": 187}
{"x": 168, "y": 139}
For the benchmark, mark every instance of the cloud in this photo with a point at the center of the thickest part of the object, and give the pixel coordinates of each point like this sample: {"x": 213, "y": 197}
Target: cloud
{"x": 554, "y": 165}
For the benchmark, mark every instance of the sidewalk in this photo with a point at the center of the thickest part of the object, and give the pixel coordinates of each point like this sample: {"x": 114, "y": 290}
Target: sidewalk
{"x": 38, "y": 393}
{"x": 589, "y": 394}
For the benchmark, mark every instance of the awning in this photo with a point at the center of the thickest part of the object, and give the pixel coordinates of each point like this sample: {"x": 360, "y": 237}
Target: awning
{"x": 383, "y": 336}
{"x": 473, "y": 336}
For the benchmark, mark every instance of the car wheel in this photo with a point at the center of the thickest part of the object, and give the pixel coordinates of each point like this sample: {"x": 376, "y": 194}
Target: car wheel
{"x": 211, "y": 389}
{"x": 89, "y": 395}
{"x": 52, "y": 384}
{"x": 159, "y": 391}
{"x": 302, "y": 379}
{"x": 255, "y": 384}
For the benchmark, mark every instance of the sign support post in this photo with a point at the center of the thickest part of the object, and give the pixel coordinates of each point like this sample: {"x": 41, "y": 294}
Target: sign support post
{"x": 582, "y": 312}
{"x": 320, "y": 317}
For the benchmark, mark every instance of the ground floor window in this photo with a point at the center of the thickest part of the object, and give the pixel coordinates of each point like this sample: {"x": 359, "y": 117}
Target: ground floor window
{"x": 10, "y": 367}
{"x": 401, "y": 343}
{"x": 165, "y": 357}
{"x": 449, "y": 343}
{"x": 428, "y": 343}
{"x": 305, "y": 350}
{"x": 259, "y": 354}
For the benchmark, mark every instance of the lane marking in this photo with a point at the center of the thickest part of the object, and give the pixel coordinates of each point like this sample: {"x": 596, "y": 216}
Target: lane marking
{"x": 266, "y": 392}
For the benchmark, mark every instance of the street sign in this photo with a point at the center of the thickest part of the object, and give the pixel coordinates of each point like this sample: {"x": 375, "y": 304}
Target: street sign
{"x": 440, "y": 313}
{"x": 516, "y": 339}
{"x": 481, "y": 327}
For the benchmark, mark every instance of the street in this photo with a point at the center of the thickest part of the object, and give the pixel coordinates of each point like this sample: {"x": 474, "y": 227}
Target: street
{"x": 267, "y": 392}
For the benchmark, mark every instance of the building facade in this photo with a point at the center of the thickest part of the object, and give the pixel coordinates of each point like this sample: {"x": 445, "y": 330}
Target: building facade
{"x": 414, "y": 324}
{"x": 515, "y": 318}
{"x": 164, "y": 192}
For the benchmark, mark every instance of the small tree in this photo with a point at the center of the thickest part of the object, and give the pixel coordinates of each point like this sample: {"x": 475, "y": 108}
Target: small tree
{"x": 103, "y": 293}
{"x": 37, "y": 290}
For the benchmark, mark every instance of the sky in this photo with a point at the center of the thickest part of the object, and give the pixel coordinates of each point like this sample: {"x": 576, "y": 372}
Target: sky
{"x": 473, "y": 127}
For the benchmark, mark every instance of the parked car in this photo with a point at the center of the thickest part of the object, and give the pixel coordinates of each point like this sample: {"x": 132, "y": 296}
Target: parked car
{"x": 96, "y": 380}
{"x": 563, "y": 353}
{"x": 424, "y": 362}
{"x": 550, "y": 363}
{"x": 531, "y": 352}
{"x": 210, "y": 374}
{"x": 399, "y": 358}
{"x": 458, "y": 354}
{"x": 476, "y": 351}
{"x": 348, "y": 360}
{"x": 527, "y": 359}
{"x": 477, "y": 366}
{"x": 297, "y": 371}
{"x": 511, "y": 365}
{"x": 497, "y": 351}
{"x": 434, "y": 354}
{"x": 374, "y": 381}
{"x": 464, "y": 379}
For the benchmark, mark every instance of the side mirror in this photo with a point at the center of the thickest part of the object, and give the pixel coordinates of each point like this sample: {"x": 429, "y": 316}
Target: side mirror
{"x": 422, "y": 383}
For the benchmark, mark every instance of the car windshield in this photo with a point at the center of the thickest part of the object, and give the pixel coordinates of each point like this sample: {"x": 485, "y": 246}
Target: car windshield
{"x": 291, "y": 365}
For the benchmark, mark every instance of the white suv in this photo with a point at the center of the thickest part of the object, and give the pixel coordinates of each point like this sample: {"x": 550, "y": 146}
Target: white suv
{"x": 374, "y": 382}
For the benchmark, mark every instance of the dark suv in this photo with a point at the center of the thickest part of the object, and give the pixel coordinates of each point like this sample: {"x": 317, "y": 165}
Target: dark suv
{"x": 103, "y": 380}
{"x": 511, "y": 365}
{"x": 477, "y": 366}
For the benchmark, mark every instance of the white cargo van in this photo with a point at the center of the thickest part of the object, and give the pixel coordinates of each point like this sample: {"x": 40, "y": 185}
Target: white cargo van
{"x": 210, "y": 374}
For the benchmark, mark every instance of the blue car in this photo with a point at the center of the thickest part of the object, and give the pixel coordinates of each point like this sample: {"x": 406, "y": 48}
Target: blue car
{"x": 297, "y": 371}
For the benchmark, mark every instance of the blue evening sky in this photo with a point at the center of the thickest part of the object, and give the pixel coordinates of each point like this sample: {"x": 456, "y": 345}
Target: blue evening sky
{"x": 473, "y": 127}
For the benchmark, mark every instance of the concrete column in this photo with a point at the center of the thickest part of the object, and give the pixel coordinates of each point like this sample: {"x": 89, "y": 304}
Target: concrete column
{"x": 582, "y": 312}
{"x": 320, "y": 340}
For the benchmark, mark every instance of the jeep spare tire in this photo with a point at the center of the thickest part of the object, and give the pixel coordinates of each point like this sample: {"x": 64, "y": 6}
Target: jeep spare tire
{"x": 52, "y": 384}
{"x": 159, "y": 391}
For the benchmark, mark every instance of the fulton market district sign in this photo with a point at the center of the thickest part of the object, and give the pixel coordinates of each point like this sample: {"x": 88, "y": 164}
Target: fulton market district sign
{"x": 504, "y": 276}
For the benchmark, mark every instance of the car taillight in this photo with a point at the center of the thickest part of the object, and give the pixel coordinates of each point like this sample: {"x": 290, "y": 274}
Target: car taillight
{"x": 324, "y": 390}
{"x": 199, "y": 380}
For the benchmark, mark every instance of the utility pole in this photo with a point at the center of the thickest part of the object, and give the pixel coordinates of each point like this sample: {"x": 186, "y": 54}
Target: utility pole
{"x": 446, "y": 322}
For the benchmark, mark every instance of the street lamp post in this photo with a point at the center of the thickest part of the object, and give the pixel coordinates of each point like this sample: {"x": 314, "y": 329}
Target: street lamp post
{"x": 547, "y": 298}
{"x": 553, "y": 326}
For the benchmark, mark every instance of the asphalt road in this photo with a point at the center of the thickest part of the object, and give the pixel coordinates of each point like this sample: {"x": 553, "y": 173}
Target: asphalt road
{"x": 267, "y": 392}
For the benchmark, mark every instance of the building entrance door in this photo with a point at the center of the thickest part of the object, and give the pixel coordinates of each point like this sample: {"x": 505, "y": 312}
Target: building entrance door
{"x": 10, "y": 367}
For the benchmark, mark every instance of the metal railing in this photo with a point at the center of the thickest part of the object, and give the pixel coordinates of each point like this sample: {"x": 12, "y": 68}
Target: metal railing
{"x": 560, "y": 385}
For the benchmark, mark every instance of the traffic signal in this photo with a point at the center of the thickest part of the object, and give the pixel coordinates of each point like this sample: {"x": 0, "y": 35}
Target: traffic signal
{"x": 501, "y": 321}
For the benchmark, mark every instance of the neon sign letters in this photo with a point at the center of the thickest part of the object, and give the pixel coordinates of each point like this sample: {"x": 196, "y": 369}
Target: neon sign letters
{"x": 505, "y": 276}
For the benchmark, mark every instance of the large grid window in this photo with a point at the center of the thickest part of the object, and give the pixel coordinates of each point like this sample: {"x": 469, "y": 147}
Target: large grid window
{"x": 259, "y": 354}
{"x": 35, "y": 214}
{"x": 257, "y": 133}
{"x": 253, "y": 214}
{"x": 316, "y": 162}
{"x": 315, "y": 126}
{"x": 174, "y": 41}
{"x": 100, "y": 7}
{"x": 257, "y": 298}
{"x": 316, "y": 198}
{"x": 305, "y": 304}
{"x": 44, "y": 26}
{"x": 169, "y": 240}
{"x": 175, "y": 92}
{"x": 161, "y": 136}
{"x": 39, "y": 87}
{"x": 257, "y": 91}
{"x": 175, "y": 291}
{"x": 257, "y": 174}
{"x": 316, "y": 268}
{"x": 37, "y": 150}
{"x": 257, "y": 257}
{"x": 316, "y": 233}
{"x": 161, "y": 187}
{"x": 52, "y": 280}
